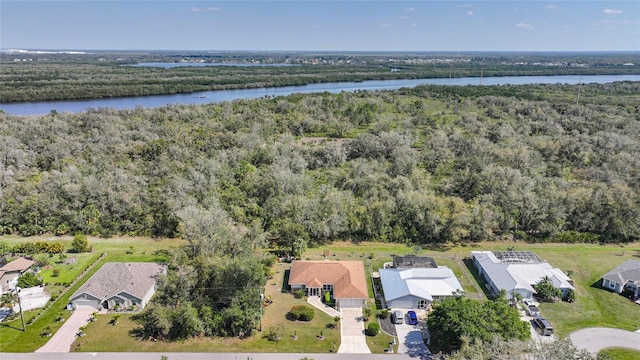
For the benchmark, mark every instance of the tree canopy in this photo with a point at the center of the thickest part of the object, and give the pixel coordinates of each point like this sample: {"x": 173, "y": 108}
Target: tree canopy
{"x": 458, "y": 318}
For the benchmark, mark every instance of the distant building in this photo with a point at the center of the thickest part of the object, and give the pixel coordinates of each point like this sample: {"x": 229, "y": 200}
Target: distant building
{"x": 517, "y": 272}
{"x": 119, "y": 284}
{"x": 625, "y": 276}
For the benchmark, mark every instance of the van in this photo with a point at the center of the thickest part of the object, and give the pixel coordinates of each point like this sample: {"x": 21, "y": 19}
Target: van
{"x": 397, "y": 317}
{"x": 544, "y": 325}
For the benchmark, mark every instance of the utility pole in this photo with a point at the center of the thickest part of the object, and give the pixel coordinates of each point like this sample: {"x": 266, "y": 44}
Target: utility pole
{"x": 20, "y": 308}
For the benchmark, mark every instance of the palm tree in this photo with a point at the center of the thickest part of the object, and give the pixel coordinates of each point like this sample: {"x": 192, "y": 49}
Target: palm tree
{"x": 10, "y": 299}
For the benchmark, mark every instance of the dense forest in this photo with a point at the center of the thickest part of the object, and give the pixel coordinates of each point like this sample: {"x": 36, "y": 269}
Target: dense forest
{"x": 28, "y": 76}
{"x": 431, "y": 164}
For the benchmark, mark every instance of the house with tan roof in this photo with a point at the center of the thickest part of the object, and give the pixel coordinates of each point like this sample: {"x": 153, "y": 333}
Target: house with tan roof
{"x": 10, "y": 273}
{"x": 119, "y": 284}
{"x": 344, "y": 279}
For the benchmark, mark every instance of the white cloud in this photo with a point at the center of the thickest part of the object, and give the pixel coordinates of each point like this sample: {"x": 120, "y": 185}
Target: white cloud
{"x": 470, "y": 13}
{"x": 207, "y": 9}
{"x": 551, "y": 6}
{"x": 403, "y": 17}
{"x": 385, "y": 25}
{"x": 411, "y": 9}
{"x": 315, "y": 26}
{"x": 465, "y": 5}
{"x": 522, "y": 25}
{"x": 612, "y": 11}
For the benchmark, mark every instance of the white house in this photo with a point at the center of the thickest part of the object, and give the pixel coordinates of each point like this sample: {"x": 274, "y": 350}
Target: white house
{"x": 417, "y": 288}
{"x": 517, "y": 272}
{"x": 119, "y": 284}
{"x": 625, "y": 276}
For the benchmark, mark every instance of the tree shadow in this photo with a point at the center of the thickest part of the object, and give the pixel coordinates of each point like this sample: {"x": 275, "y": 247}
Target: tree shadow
{"x": 476, "y": 276}
{"x": 285, "y": 282}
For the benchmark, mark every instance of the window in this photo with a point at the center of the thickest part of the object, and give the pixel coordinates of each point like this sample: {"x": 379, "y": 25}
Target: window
{"x": 612, "y": 285}
{"x": 422, "y": 304}
{"x": 327, "y": 287}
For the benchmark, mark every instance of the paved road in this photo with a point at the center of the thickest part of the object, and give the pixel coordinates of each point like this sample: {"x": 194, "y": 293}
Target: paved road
{"x": 596, "y": 339}
{"x": 63, "y": 338}
{"x": 196, "y": 356}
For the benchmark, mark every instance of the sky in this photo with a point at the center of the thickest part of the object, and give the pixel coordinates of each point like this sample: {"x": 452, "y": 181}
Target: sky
{"x": 324, "y": 25}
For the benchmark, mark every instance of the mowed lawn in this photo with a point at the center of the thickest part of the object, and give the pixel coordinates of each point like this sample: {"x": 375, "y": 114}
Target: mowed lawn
{"x": 586, "y": 263}
{"x": 103, "y": 337}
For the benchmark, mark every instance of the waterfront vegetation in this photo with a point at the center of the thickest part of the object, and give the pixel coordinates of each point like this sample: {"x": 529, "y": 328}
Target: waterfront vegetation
{"x": 434, "y": 169}
{"x": 31, "y": 77}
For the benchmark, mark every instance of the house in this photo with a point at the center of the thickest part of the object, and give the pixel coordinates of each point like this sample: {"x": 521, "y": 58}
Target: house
{"x": 344, "y": 279}
{"x": 417, "y": 288}
{"x": 517, "y": 272}
{"x": 625, "y": 276}
{"x": 10, "y": 273}
{"x": 119, "y": 284}
{"x": 412, "y": 261}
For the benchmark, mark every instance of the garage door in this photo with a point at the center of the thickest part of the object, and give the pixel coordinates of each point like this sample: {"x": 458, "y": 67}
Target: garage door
{"x": 401, "y": 304}
{"x": 86, "y": 303}
{"x": 351, "y": 303}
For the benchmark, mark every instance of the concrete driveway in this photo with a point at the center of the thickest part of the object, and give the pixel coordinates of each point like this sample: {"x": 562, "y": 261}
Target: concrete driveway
{"x": 352, "y": 337}
{"x": 596, "y": 339}
{"x": 63, "y": 338}
{"x": 410, "y": 339}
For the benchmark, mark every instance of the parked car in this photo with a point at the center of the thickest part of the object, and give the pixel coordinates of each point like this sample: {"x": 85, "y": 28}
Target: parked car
{"x": 413, "y": 317}
{"x": 397, "y": 317}
{"x": 531, "y": 307}
{"x": 544, "y": 325}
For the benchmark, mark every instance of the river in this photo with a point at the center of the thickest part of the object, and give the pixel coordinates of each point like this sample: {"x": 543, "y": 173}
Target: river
{"x": 204, "y": 97}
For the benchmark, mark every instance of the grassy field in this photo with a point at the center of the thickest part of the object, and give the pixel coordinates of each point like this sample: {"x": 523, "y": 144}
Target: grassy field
{"x": 101, "y": 336}
{"x": 12, "y": 338}
{"x": 594, "y": 306}
{"x": 586, "y": 262}
{"x": 621, "y": 354}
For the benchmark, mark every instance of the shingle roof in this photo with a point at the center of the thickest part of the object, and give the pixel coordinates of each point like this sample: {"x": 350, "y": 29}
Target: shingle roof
{"x": 115, "y": 277}
{"x": 421, "y": 282}
{"x": 20, "y": 264}
{"x": 627, "y": 271}
{"x": 347, "y": 277}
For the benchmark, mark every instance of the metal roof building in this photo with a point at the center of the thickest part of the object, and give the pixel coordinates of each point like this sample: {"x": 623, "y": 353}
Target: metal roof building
{"x": 417, "y": 287}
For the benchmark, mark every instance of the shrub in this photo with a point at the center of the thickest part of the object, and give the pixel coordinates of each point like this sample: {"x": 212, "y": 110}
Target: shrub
{"x": 302, "y": 313}
{"x": 298, "y": 294}
{"x": 80, "y": 243}
{"x": 55, "y": 272}
{"x": 274, "y": 333}
{"x": 384, "y": 314}
{"x": 327, "y": 297}
{"x": 372, "y": 329}
{"x": 28, "y": 280}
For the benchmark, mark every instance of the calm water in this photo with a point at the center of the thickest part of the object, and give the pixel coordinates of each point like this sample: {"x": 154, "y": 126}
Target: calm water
{"x": 204, "y": 97}
{"x": 166, "y": 65}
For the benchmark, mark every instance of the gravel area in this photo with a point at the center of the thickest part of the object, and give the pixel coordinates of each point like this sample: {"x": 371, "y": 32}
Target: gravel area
{"x": 388, "y": 327}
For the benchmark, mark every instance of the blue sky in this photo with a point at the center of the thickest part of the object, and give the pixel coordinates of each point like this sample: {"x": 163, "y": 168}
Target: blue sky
{"x": 358, "y": 25}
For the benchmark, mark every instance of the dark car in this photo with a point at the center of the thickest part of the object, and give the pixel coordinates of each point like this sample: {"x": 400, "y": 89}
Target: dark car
{"x": 413, "y": 318}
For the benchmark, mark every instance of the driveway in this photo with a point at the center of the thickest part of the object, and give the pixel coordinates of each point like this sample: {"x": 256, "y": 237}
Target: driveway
{"x": 410, "y": 339}
{"x": 536, "y": 333}
{"x": 596, "y": 339}
{"x": 63, "y": 338}
{"x": 352, "y": 338}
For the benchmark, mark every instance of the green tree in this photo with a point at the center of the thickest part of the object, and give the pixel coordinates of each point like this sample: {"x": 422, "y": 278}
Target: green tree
{"x": 459, "y": 317}
{"x": 28, "y": 280}
{"x": 80, "y": 243}
{"x": 10, "y": 299}
{"x": 545, "y": 289}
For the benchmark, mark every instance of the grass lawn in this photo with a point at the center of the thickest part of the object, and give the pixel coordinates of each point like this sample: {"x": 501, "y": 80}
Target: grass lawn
{"x": 621, "y": 354}
{"x": 587, "y": 262}
{"x": 101, "y": 336}
{"x": 12, "y": 339}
